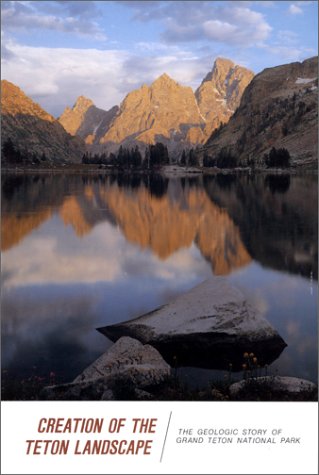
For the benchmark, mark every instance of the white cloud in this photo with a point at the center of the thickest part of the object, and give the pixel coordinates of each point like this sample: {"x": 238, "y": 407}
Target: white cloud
{"x": 62, "y": 74}
{"x": 290, "y": 53}
{"x": 66, "y": 17}
{"x": 287, "y": 37}
{"x": 295, "y": 9}
{"x": 105, "y": 76}
{"x": 234, "y": 23}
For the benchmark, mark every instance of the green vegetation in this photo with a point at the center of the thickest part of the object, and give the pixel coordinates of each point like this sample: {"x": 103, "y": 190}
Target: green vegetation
{"x": 13, "y": 155}
{"x": 125, "y": 158}
{"x": 277, "y": 158}
{"x": 188, "y": 159}
{"x": 224, "y": 159}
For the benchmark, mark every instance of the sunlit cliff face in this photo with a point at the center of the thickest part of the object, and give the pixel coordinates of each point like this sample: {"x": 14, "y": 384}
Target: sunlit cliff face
{"x": 31, "y": 128}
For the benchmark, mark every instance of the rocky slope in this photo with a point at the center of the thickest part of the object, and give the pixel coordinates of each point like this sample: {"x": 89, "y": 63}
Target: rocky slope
{"x": 31, "y": 128}
{"x": 86, "y": 120}
{"x": 278, "y": 109}
{"x": 163, "y": 112}
{"x": 220, "y": 92}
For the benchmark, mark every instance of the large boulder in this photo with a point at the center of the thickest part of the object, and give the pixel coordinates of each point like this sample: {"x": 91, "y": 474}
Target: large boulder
{"x": 141, "y": 364}
{"x": 210, "y": 326}
{"x": 122, "y": 372}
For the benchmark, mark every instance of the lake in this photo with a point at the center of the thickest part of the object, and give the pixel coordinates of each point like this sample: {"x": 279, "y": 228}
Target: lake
{"x": 82, "y": 252}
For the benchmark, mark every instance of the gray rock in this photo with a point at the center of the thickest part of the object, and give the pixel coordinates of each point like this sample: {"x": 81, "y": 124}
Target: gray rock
{"x": 143, "y": 395}
{"x": 141, "y": 364}
{"x": 108, "y": 395}
{"x": 284, "y": 384}
{"x": 209, "y": 326}
{"x": 120, "y": 373}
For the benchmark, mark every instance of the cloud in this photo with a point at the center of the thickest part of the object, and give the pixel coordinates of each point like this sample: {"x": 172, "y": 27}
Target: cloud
{"x": 290, "y": 53}
{"x": 105, "y": 76}
{"x": 295, "y": 9}
{"x": 287, "y": 37}
{"x": 184, "y": 66}
{"x": 233, "y": 23}
{"x": 63, "y": 17}
{"x": 64, "y": 73}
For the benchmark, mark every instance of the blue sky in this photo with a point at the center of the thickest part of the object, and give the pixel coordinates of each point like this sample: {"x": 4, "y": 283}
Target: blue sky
{"x": 58, "y": 50}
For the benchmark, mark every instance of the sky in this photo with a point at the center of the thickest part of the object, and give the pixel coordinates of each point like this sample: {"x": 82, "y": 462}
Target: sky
{"x": 56, "y": 51}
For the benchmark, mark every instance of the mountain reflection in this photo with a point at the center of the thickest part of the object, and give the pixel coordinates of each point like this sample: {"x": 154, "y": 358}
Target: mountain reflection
{"x": 232, "y": 220}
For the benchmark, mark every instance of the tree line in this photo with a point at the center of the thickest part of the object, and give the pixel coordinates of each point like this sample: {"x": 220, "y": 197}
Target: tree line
{"x": 154, "y": 156}
{"x": 12, "y": 154}
{"x": 226, "y": 158}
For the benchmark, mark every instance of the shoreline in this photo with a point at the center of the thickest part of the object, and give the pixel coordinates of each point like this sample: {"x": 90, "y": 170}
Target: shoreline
{"x": 168, "y": 171}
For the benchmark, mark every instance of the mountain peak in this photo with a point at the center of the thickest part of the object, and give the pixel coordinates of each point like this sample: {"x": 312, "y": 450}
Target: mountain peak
{"x": 223, "y": 69}
{"x": 223, "y": 62}
{"x": 220, "y": 91}
{"x": 9, "y": 86}
{"x": 164, "y": 79}
{"x": 31, "y": 128}
{"x": 14, "y": 101}
{"x": 83, "y": 103}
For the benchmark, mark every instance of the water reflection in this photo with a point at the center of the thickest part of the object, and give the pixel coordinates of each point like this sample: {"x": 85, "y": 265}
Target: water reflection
{"x": 232, "y": 220}
{"x": 277, "y": 218}
{"x": 151, "y": 213}
{"x": 82, "y": 252}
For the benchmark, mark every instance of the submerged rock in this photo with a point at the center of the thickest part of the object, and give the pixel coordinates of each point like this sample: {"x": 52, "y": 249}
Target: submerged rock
{"x": 122, "y": 372}
{"x": 210, "y": 326}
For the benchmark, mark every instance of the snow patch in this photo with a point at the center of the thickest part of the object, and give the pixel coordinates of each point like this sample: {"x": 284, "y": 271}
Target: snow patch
{"x": 199, "y": 112}
{"x": 222, "y": 101}
{"x": 305, "y": 80}
{"x": 96, "y": 127}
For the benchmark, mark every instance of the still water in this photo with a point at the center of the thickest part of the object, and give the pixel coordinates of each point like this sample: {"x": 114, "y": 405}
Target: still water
{"x": 80, "y": 253}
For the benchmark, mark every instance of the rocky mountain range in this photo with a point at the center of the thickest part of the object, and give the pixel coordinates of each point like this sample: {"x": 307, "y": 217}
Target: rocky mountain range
{"x": 231, "y": 112}
{"x": 32, "y": 130}
{"x": 163, "y": 112}
{"x": 278, "y": 109}
{"x": 86, "y": 120}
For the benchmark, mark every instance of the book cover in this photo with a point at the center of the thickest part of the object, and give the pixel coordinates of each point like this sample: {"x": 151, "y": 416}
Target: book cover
{"x": 159, "y": 237}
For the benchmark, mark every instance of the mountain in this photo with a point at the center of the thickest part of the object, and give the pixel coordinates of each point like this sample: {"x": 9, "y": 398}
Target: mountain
{"x": 86, "y": 120}
{"x": 220, "y": 92}
{"x": 32, "y": 129}
{"x": 163, "y": 112}
{"x": 278, "y": 109}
